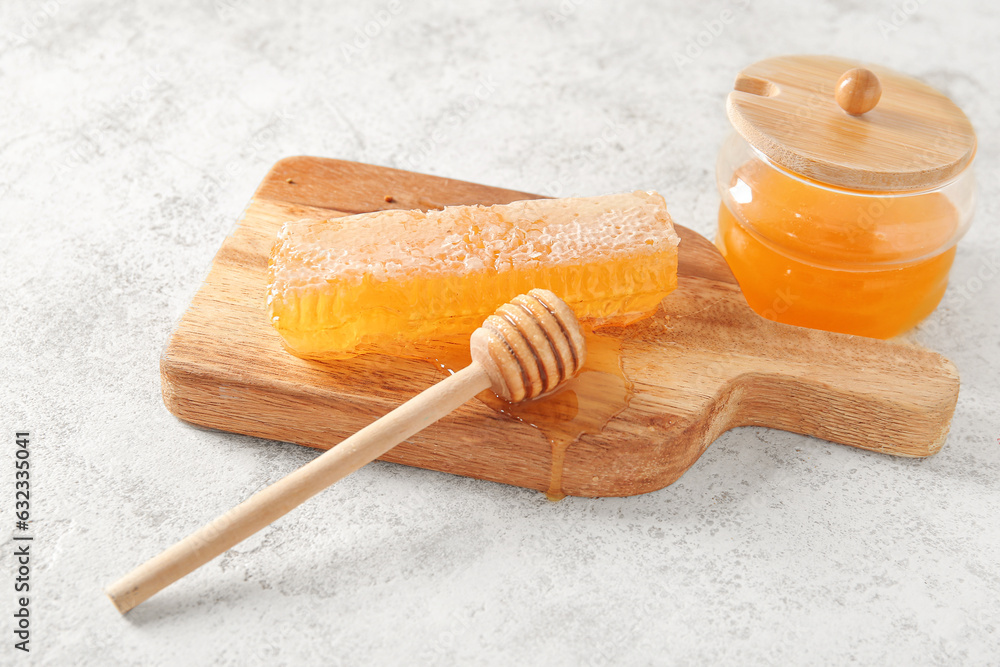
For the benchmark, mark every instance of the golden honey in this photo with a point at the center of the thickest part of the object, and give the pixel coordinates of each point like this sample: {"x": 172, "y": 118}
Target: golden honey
{"x": 382, "y": 281}
{"x": 867, "y": 263}
{"x": 581, "y": 406}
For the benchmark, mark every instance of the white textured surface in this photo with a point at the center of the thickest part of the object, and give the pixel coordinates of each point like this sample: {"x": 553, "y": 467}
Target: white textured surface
{"x": 132, "y": 136}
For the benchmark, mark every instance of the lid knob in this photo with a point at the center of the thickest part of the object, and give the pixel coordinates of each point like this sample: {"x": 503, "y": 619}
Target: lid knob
{"x": 858, "y": 91}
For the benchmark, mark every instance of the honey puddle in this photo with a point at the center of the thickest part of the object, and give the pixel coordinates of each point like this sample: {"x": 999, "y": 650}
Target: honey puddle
{"x": 583, "y": 405}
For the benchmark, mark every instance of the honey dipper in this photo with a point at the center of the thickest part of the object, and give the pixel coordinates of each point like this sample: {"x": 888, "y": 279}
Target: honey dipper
{"x": 526, "y": 348}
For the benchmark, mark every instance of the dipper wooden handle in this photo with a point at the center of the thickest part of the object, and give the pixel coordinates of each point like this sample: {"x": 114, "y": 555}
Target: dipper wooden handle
{"x": 528, "y": 347}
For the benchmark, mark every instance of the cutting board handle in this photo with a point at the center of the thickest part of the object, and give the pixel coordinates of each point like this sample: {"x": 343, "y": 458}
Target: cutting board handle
{"x": 892, "y": 397}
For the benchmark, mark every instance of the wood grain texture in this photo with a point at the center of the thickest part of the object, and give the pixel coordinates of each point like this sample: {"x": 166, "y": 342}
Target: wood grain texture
{"x": 915, "y": 138}
{"x": 858, "y": 90}
{"x": 703, "y": 364}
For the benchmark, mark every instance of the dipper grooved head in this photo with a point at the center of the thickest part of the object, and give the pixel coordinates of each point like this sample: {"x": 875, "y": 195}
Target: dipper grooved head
{"x": 529, "y": 346}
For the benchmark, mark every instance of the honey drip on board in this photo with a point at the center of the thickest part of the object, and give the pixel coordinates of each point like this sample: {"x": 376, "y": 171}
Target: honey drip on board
{"x": 583, "y": 405}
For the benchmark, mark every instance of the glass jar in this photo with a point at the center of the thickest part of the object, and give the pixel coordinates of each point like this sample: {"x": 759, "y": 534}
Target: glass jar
{"x": 841, "y": 212}
{"x": 851, "y": 261}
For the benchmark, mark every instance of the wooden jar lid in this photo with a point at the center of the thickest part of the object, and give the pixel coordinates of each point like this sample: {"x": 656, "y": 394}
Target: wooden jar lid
{"x": 909, "y": 137}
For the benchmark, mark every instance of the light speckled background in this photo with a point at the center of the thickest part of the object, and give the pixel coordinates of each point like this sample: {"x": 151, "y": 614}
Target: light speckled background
{"x": 131, "y": 136}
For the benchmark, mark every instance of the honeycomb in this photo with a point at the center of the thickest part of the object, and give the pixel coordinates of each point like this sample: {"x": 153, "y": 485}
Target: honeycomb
{"x": 384, "y": 280}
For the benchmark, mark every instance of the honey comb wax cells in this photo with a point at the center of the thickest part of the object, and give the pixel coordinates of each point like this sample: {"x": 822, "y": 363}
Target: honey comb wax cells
{"x": 382, "y": 281}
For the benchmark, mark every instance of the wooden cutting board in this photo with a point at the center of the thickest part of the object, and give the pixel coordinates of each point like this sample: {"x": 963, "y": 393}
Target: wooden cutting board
{"x": 704, "y": 363}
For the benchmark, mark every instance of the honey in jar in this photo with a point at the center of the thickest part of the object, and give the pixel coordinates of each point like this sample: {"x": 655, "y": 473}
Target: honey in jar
{"x": 844, "y": 191}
